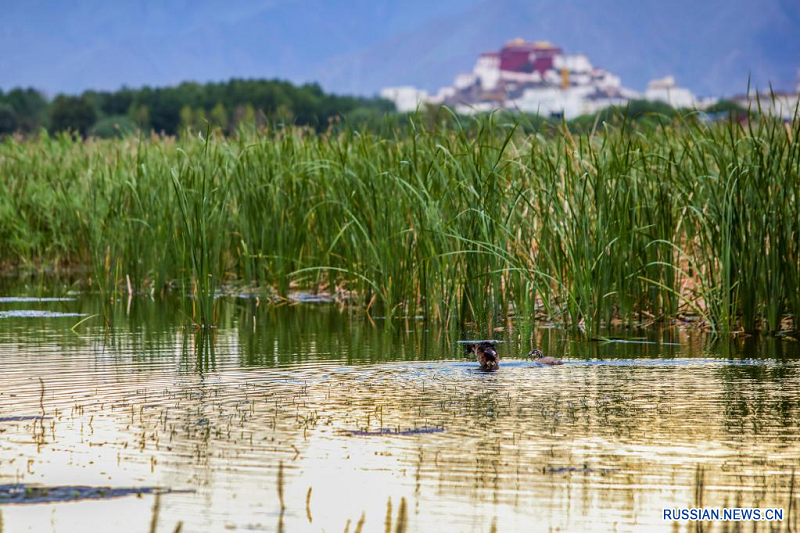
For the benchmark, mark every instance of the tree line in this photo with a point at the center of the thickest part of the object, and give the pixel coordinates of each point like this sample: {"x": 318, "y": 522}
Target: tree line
{"x": 226, "y": 106}
{"x": 169, "y": 110}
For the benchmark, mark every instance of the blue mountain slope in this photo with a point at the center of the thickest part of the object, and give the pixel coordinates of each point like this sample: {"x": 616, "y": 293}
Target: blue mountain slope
{"x": 360, "y": 46}
{"x": 710, "y": 46}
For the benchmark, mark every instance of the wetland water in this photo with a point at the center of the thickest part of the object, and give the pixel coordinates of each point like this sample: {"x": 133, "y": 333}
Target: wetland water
{"x": 385, "y": 422}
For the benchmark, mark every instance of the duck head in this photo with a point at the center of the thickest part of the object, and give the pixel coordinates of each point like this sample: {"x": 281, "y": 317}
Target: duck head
{"x": 486, "y": 355}
{"x": 535, "y": 354}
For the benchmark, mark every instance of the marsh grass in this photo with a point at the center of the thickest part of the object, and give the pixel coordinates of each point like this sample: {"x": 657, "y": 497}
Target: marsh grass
{"x": 201, "y": 192}
{"x": 463, "y": 221}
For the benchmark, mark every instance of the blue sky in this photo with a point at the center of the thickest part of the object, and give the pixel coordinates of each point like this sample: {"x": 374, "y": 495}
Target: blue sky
{"x": 359, "y": 46}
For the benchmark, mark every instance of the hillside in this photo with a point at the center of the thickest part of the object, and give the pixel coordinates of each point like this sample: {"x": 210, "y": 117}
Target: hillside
{"x": 361, "y": 46}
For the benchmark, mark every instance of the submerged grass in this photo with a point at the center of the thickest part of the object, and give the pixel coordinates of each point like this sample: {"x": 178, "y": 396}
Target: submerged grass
{"x": 467, "y": 221}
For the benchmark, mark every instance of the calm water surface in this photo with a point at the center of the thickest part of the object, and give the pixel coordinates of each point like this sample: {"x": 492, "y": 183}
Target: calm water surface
{"x": 380, "y": 423}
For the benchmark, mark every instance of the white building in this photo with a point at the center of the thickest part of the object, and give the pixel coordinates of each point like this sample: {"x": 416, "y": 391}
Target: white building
{"x": 606, "y": 81}
{"x": 772, "y": 103}
{"x": 406, "y": 99}
{"x": 781, "y": 104}
{"x": 443, "y": 94}
{"x": 464, "y": 81}
{"x": 474, "y": 108}
{"x": 487, "y": 70}
{"x": 568, "y": 103}
{"x": 549, "y": 101}
{"x": 535, "y": 77}
{"x": 665, "y": 90}
{"x": 577, "y": 63}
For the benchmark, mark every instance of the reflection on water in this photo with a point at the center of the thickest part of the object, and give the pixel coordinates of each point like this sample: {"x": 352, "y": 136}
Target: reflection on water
{"x": 378, "y": 423}
{"x": 21, "y": 494}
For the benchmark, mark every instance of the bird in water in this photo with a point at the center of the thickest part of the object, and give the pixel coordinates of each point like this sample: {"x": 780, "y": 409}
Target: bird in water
{"x": 486, "y": 354}
{"x": 543, "y": 359}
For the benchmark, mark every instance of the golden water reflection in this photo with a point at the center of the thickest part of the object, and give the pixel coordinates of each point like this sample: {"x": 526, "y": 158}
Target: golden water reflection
{"x": 392, "y": 427}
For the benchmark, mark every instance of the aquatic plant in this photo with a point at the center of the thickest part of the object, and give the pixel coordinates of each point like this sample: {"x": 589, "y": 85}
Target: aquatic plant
{"x": 200, "y": 186}
{"x": 460, "y": 220}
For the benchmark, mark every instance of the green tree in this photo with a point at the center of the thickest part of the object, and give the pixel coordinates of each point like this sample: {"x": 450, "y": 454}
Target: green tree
{"x": 8, "y": 120}
{"x": 74, "y": 113}
{"x": 169, "y": 109}
{"x": 729, "y": 108}
{"x": 724, "y": 105}
{"x": 29, "y": 106}
{"x": 116, "y": 126}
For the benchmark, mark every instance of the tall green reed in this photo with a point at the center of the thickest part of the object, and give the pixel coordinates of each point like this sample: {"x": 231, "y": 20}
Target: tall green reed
{"x": 201, "y": 187}
{"x": 467, "y": 220}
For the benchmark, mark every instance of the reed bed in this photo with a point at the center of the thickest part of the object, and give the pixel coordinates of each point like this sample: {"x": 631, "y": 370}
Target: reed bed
{"x": 458, "y": 220}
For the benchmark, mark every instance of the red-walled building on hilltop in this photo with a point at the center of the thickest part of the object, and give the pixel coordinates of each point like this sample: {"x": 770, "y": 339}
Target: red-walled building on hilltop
{"x": 533, "y": 77}
{"x": 522, "y": 56}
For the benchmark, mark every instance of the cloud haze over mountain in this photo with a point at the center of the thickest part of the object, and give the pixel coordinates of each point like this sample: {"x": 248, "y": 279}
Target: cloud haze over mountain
{"x": 359, "y": 46}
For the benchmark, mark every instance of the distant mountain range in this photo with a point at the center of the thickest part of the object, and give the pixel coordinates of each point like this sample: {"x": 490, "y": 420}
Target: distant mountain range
{"x": 360, "y": 46}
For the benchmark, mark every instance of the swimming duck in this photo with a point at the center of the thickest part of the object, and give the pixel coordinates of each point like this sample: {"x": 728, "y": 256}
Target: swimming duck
{"x": 486, "y": 355}
{"x": 543, "y": 359}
